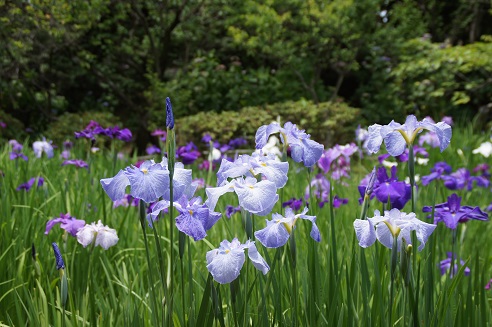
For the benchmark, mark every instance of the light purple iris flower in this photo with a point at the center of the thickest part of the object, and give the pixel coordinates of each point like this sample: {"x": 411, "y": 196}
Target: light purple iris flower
{"x": 149, "y": 182}
{"x": 368, "y": 230}
{"x": 194, "y": 218}
{"x": 451, "y": 213}
{"x": 279, "y": 228}
{"x": 77, "y": 163}
{"x": 245, "y": 165}
{"x": 225, "y": 263}
{"x": 71, "y": 224}
{"x": 29, "y": 184}
{"x": 445, "y": 265}
{"x": 337, "y": 160}
{"x": 320, "y": 187}
{"x": 397, "y": 137}
{"x": 302, "y": 147}
{"x": 16, "y": 151}
{"x": 152, "y": 149}
{"x": 255, "y": 197}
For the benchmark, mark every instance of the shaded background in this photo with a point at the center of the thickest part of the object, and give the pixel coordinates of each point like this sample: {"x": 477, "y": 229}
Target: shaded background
{"x": 238, "y": 64}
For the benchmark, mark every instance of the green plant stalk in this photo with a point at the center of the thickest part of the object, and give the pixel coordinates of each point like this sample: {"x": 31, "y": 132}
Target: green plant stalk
{"x": 293, "y": 264}
{"x": 411, "y": 174}
{"x": 155, "y": 313}
{"x": 171, "y": 157}
{"x": 393, "y": 264}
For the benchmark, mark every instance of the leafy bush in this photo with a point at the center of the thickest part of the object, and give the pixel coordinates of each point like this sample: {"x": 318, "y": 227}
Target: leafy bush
{"x": 328, "y": 122}
{"x": 14, "y": 128}
{"x": 432, "y": 79}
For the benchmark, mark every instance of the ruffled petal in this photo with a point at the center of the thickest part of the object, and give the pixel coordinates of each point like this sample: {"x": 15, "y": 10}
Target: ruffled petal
{"x": 225, "y": 267}
{"x": 274, "y": 235}
{"x": 115, "y": 186}
{"x": 364, "y": 230}
{"x": 258, "y": 198}
{"x": 256, "y": 258}
{"x": 395, "y": 143}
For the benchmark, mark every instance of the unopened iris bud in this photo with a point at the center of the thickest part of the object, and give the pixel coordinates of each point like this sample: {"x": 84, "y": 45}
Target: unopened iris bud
{"x": 58, "y": 257}
{"x": 370, "y": 184}
{"x": 169, "y": 114}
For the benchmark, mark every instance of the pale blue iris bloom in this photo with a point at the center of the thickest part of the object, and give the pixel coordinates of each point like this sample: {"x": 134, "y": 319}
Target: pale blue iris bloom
{"x": 397, "y": 137}
{"x": 302, "y": 147}
{"x": 279, "y": 229}
{"x": 367, "y": 231}
{"x": 149, "y": 182}
{"x": 225, "y": 263}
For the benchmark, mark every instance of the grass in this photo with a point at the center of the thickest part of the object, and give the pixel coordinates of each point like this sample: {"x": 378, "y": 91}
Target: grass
{"x": 332, "y": 283}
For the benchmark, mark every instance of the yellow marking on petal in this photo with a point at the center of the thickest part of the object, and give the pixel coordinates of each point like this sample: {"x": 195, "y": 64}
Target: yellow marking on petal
{"x": 394, "y": 230}
{"x": 191, "y": 212}
{"x": 227, "y": 251}
{"x": 251, "y": 186}
{"x": 145, "y": 171}
{"x": 263, "y": 164}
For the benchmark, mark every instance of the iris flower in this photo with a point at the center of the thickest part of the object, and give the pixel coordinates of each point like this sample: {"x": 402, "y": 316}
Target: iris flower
{"x": 30, "y": 183}
{"x": 98, "y": 233}
{"x": 77, "y": 163}
{"x": 225, "y": 263}
{"x": 42, "y": 146}
{"x": 445, "y": 265}
{"x": 255, "y": 197}
{"x": 397, "y": 137}
{"x": 367, "y": 231}
{"x": 279, "y": 229}
{"x": 246, "y": 165}
{"x": 194, "y": 218}
{"x": 451, "y": 213}
{"x": 71, "y": 224}
{"x": 148, "y": 182}
{"x": 302, "y": 147}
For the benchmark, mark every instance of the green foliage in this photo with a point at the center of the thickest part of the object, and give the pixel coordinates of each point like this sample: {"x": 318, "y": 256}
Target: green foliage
{"x": 14, "y": 128}
{"x": 328, "y": 122}
{"x": 434, "y": 79}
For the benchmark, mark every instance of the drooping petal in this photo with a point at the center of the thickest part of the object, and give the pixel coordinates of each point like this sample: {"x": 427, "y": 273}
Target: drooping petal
{"x": 106, "y": 237}
{"x": 264, "y": 132}
{"x": 364, "y": 230}
{"x": 256, "y": 258}
{"x": 314, "y": 229}
{"x": 187, "y": 224}
{"x": 374, "y": 138}
{"x": 115, "y": 186}
{"x": 214, "y": 193}
{"x": 307, "y": 151}
{"x": 86, "y": 235}
{"x": 395, "y": 143}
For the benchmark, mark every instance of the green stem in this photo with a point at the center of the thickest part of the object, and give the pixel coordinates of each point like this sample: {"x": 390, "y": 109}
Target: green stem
{"x": 155, "y": 313}
{"x": 411, "y": 171}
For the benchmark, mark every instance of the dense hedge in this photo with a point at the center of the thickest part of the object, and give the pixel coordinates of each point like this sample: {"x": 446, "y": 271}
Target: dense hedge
{"x": 327, "y": 122}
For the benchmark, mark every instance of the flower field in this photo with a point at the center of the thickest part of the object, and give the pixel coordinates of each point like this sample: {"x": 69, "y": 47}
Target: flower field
{"x": 390, "y": 230}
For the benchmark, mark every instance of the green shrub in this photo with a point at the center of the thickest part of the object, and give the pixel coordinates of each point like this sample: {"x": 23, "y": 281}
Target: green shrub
{"x": 328, "y": 122}
{"x": 14, "y": 128}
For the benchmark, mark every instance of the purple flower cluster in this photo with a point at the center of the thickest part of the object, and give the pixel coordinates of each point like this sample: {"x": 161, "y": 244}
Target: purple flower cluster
{"x": 320, "y": 187}
{"x": 93, "y": 129}
{"x": 387, "y": 187}
{"x": 445, "y": 265}
{"x": 188, "y": 153}
{"x": 459, "y": 179}
{"x": 337, "y": 160}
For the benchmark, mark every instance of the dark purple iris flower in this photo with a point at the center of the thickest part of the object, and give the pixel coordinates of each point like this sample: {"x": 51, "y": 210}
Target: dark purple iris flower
{"x": 338, "y": 202}
{"x": 440, "y": 168}
{"x": 230, "y": 210}
{"x": 77, "y": 163}
{"x": 294, "y": 204}
{"x": 188, "y": 153}
{"x": 67, "y": 222}
{"x": 451, "y": 213}
{"x": 27, "y": 186}
{"x": 3, "y": 124}
{"x": 237, "y": 142}
{"x": 93, "y": 129}
{"x": 445, "y": 265}
{"x": 386, "y": 187}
